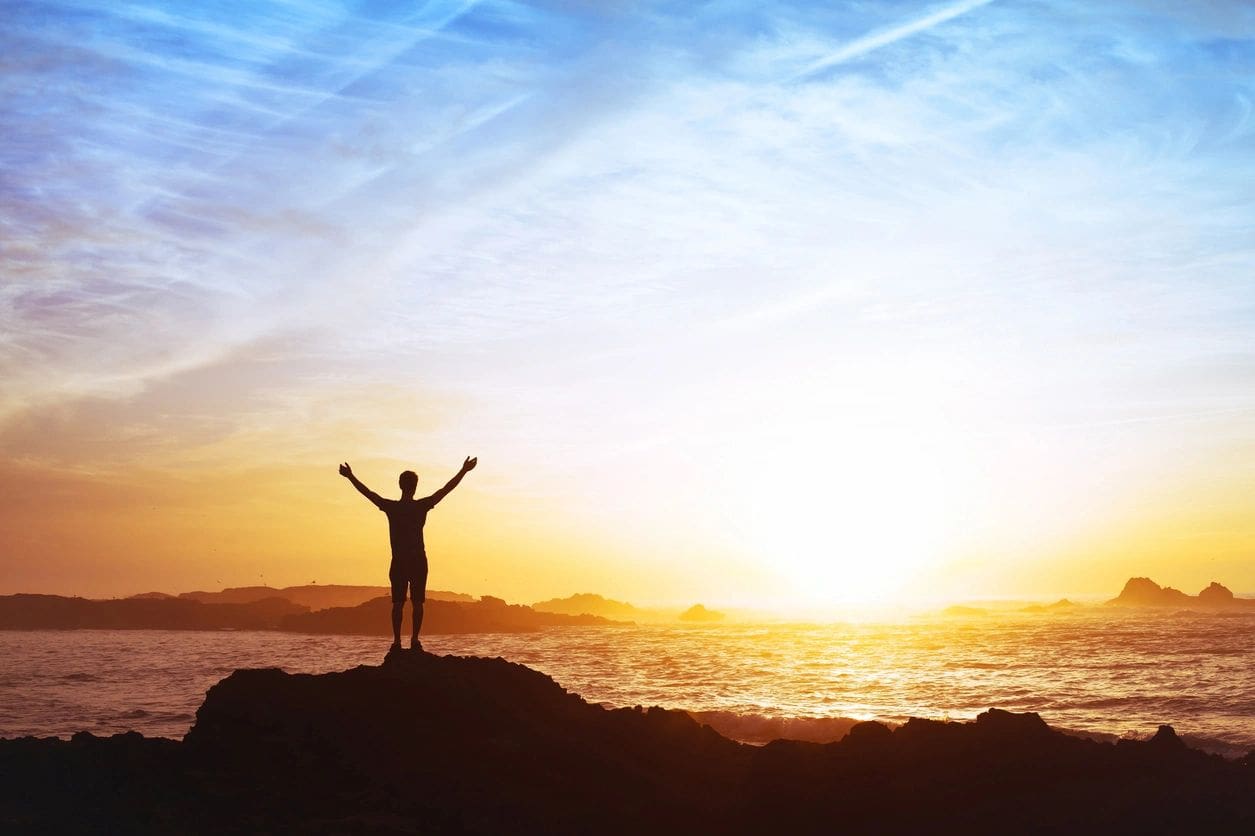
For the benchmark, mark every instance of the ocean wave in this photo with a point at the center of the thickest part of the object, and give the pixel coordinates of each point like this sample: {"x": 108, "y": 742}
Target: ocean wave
{"x": 760, "y": 728}
{"x": 1225, "y": 748}
{"x": 80, "y": 677}
{"x": 1100, "y": 702}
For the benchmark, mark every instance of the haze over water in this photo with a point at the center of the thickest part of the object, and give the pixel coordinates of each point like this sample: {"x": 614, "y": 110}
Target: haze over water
{"x": 1113, "y": 674}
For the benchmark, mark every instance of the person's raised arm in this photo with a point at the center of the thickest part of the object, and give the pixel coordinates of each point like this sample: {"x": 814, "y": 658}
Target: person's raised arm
{"x": 347, "y": 473}
{"x": 467, "y": 467}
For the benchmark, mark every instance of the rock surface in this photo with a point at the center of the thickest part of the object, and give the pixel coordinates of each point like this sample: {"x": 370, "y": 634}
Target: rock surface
{"x": 700, "y": 615}
{"x": 56, "y": 612}
{"x": 1216, "y": 595}
{"x": 487, "y": 615}
{"x": 314, "y": 596}
{"x": 162, "y": 612}
{"x": 1143, "y": 592}
{"x": 464, "y": 745}
{"x": 1061, "y": 606}
{"x": 588, "y": 603}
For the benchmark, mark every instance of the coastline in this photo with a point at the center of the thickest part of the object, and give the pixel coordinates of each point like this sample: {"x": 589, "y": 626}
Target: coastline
{"x": 484, "y": 745}
{"x": 752, "y": 683}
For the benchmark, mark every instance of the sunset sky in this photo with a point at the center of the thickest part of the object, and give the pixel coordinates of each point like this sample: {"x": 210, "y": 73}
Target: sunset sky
{"x": 771, "y": 305}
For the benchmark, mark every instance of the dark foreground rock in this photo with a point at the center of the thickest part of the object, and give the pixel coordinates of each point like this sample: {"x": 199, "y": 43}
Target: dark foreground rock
{"x": 426, "y": 744}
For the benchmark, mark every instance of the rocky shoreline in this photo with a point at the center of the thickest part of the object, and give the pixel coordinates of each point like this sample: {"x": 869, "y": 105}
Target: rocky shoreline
{"x": 446, "y": 744}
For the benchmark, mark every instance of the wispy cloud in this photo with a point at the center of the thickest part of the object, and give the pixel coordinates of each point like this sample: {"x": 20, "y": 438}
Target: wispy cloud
{"x": 1022, "y": 216}
{"x": 884, "y": 37}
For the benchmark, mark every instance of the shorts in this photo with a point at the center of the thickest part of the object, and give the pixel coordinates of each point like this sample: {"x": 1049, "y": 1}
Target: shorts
{"x": 408, "y": 571}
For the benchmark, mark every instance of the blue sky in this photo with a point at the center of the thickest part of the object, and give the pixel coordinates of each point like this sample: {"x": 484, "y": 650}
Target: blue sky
{"x": 1006, "y": 246}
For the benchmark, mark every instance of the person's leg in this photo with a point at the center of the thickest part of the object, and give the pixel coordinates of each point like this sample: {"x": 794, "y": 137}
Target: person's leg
{"x": 418, "y": 596}
{"x": 418, "y": 622}
{"x": 398, "y": 603}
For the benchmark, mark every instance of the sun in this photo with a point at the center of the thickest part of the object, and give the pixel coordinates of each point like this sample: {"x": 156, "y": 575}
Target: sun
{"x": 853, "y": 523}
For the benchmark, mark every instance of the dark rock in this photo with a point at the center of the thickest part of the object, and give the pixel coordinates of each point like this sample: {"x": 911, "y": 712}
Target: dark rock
{"x": 1216, "y": 595}
{"x": 441, "y": 744}
{"x": 315, "y": 596}
{"x": 1166, "y": 738}
{"x": 869, "y": 732}
{"x": 1143, "y": 592}
{"x": 1012, "y": 727}
{"x": 699, "y": 614}
{"x": 488, "y": 615}
{"x": 1062, "y": 605}
{"x": 56, "y": 612}
{"x": 496, "y": 746}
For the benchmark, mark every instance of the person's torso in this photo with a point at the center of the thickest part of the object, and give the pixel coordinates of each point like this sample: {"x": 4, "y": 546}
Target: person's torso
{"x": 405, "y": 523}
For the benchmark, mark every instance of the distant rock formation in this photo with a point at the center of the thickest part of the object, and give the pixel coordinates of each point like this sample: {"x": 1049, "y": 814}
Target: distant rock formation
{"x": 699, "y": 614}
{"x": 1216, "y": 595}
{"x": 445, "y": 745}
{"x": 1143, "y": 592}
{"x": 372, "y": 618}
{"x": 589, "y": 603}
{"x": 1062, "y": 605}
{"x": 314, "y": 596}
{"x": 593, "y": 604}
{"x": 55, "y": 612}
{"x": 487, "y": 615}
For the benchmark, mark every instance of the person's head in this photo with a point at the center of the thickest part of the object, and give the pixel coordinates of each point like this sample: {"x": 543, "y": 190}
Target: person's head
{"x": 408, "y": 482}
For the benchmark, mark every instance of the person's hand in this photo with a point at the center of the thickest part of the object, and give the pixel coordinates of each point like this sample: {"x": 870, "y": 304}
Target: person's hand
{"x": 345, "y": 470}
{"x": 469, "y": 464}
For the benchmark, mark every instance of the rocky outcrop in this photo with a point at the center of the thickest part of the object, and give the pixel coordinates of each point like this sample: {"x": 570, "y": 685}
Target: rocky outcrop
{"x": 1143, "y": 592}
{"x": 487, "y": 615}
{"x": 700, "y": 615}
{"x": 482, "y": 746}
{"x": 55, "y": 612}
{"x": 1063, "y": 605}
{"x": 315, "y": 596}
{"x": 593, "y": 604}
{"x": 588, "y": 603}
{"x": 1216, "y": 595}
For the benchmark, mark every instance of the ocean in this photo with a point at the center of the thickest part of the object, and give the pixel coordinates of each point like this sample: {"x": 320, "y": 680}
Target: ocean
{"x": 1094, "y": 672}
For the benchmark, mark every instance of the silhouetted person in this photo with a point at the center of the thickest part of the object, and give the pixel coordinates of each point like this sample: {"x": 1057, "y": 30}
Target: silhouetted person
{"x": 406, "y": 517}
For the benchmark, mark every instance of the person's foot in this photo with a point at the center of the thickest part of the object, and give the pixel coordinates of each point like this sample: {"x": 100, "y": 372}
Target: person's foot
{"x": 415, "y": 644}
{"x": 396, "y": 645}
